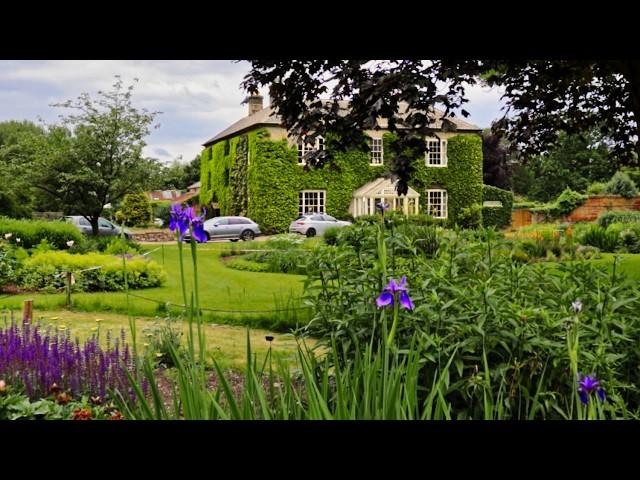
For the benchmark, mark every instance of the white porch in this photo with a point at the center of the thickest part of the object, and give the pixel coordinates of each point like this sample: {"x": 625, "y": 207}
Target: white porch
{"x": 381, "y": 190}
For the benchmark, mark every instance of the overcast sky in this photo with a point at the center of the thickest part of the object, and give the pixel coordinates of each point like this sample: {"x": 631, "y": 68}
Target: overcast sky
{"x": 198, "y": 98}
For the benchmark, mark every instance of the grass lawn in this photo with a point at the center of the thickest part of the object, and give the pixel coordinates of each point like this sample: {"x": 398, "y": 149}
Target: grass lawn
{"x": 225, "y": 342}
{"x": 629, "y": 263}
{"x": 222, "y": 289}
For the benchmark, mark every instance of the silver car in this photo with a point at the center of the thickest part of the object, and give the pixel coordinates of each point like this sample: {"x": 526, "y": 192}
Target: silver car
{"x": 105, "y": 227}
{"x": 232, "y": 228}
{"x": 315, "y": 224}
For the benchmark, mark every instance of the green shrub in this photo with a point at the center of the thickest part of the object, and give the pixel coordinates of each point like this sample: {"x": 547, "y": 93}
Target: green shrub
{"x": 621, "y": 184}
{"x": 596, "y": 236}
{"x": 426, "y": 240}
{"x": 470, "y": 217}
{"x": 596, "y": 188}
{"x": 161, "y": 210}
{"x": 618, "y": 216}
{"x": 499, "y": 217}
{"x": 587, "y": 252}
{"x": 247, "y": 265}
{"x": 32, "y": 232}
{"x": 135, "y": 210}
{"x": 46, "y": 270}
{"x": 331, "y": 235}
{"x": 568, "y": 200}
{"x": 285, "y": 241}
{"x": 630, "y": 238}
{"x": 122, "y": 246}
{"x": 8, "y": 264}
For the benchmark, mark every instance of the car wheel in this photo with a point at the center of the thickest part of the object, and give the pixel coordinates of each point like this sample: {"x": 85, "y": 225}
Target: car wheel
{"x": 311, "y": 232}
{"x": 233, "y": 239}
{"x": 247, "y": 235}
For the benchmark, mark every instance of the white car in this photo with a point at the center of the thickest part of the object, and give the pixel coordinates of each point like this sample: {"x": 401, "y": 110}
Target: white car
{"x": 315, "y": 224}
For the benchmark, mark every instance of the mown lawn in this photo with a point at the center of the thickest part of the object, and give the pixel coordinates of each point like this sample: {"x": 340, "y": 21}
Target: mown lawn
{"x": 629, "y": 263}
{"x": 226, "y": 295}
{"x": 226, "y": 343}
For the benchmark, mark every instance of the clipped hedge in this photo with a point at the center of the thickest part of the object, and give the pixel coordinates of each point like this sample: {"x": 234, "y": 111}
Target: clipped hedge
{"x": 32, "y": 232}
{"x": 499, "y": 217}
{"x": 42, "y": 271}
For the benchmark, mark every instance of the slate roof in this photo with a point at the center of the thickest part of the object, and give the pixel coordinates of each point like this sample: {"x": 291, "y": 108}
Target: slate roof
{"x": 267, "y": 117}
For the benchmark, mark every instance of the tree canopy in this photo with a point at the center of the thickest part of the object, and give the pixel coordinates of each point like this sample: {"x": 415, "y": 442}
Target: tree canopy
{"x": 543, "y": 99}
{"x": 95, "y": 156}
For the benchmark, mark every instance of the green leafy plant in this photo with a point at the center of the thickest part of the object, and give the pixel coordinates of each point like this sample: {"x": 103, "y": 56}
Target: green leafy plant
{"x": 136, "y": 210}
{"x": 621, "y": 184}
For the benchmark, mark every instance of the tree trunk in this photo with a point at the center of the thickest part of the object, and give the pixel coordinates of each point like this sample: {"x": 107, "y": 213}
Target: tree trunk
{"x": 95, "y": 229}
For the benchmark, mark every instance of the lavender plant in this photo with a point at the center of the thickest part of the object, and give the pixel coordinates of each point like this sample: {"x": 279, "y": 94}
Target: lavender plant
{"x": 37, "y": 358}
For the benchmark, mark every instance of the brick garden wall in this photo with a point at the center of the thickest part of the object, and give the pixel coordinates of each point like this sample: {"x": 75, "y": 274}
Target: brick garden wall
{"x": 590, "y": 210}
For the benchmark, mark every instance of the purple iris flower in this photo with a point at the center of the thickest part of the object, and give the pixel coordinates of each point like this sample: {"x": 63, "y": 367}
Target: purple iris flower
{"x": 182, "y": 218}
{"x": 388, "y": 295}
{"x": 588, "y": 384}
{"x": 383, "y": 207}
{"x": 198, "y": 224}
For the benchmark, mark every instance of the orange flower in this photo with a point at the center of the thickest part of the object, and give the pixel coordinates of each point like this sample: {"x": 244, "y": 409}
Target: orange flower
{"x": 81, "y": 414}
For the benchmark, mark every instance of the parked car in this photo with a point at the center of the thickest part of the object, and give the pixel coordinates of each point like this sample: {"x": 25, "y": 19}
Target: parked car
{"x": 105, "y": 227}
{"x": 232, "y": 228}
{"x": 315, "y": 224}
{"x": 158, "y": 222}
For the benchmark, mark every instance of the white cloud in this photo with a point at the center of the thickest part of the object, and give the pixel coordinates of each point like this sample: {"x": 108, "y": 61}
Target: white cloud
{"x": 198, "y": 98}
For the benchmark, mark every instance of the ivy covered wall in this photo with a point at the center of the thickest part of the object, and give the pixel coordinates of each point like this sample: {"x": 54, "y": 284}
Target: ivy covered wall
{"x": 461, "y": 178}
{"x": 254, "y": 176}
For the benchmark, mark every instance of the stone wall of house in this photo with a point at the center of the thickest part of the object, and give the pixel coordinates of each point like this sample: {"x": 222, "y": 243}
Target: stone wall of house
{"x": 593, "y": 207}
{"x": 158, "y": 236}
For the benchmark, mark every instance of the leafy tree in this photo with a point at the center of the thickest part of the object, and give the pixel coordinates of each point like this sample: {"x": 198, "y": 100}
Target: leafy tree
{"x": 95, "y": 156}
{"x": 575, "y": 163}
{"x": 192, "y": 171}
{"x": 16, "y": 196}
{"x": 135, "y": 210}
{"x": 543, "y": 98}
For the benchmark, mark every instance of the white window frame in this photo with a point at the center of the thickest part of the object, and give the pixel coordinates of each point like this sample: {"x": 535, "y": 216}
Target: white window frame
{"x": 443, "y": 152}
{"x": 375, "y": 143}
{"x": 444, "y": 203}
{"x": 304, "y": 148}
{"x": 319, "y": 207}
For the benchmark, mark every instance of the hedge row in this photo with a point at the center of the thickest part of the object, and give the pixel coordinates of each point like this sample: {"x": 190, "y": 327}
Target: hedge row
{"x": 32, "y": 232}
{"x": 42, "y": 271}
{"x": 499, "y": 217}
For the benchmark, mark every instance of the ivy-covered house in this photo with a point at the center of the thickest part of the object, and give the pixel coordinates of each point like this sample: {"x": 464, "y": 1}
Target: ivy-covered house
{"x": 254, "y": 168}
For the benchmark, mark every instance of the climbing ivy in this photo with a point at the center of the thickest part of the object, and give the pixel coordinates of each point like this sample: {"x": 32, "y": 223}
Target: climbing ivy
{"x": 239, "y": 184}
{"x": 461, "y": 178}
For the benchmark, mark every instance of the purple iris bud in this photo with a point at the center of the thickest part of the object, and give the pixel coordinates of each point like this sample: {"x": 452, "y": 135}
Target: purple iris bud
{"x": 388, "y": 295}
{"x": 577, "y": 306}
{"x": 588, "y": 384}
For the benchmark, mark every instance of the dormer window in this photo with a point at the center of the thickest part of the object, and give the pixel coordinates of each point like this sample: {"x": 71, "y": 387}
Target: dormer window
{"x": 304, "y": 148}
{"x": 436, "y": 154}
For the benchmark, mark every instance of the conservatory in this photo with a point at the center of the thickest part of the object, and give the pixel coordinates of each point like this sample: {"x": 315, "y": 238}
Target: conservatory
{"x": 382, "y": 190}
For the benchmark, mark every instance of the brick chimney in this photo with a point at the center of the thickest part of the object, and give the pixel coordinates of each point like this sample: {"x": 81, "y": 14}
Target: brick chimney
{"x": 255, "y": 102}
